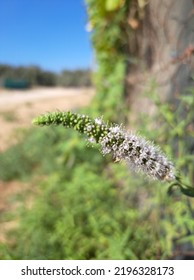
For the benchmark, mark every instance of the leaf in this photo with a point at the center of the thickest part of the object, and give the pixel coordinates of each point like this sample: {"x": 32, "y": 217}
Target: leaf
{"x": 188, "y": 191}
{"x": 112, "y": 5}
{"x": 187, "y": 99}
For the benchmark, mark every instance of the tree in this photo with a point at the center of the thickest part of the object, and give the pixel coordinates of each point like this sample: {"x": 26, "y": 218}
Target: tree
{"x": 163, "y": 46}
{"x": 149, "y": 41}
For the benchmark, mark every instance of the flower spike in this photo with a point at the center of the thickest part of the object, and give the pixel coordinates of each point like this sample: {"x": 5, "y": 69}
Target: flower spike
{"x": 140, "y": 154}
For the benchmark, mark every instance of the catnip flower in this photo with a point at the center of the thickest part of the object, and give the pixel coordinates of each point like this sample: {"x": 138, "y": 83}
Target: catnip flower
{"x": 139, "y": 154}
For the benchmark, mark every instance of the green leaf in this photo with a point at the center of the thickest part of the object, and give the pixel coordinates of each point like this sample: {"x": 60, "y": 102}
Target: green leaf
{"x": 112, "y": 5}
{"x": 188, "y": 191}
{"x": 187, "y": 99}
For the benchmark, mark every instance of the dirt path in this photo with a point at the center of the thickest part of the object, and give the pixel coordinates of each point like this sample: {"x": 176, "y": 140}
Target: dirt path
{"x": 18, "y": 108}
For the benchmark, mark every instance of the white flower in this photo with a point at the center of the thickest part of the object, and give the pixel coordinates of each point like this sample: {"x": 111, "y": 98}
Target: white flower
{"x": 98, "y": 121}
{"x": 140, "y": 154}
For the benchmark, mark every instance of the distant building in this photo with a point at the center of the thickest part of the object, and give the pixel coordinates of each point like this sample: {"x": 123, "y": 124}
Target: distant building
{"x": 15, "y": 83}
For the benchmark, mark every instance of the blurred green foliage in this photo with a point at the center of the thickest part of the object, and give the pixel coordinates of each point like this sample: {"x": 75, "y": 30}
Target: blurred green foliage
{"x": 88, "y": 207}
{"x": 23, "y": 158}
{"x": 85, "y": 217}
{"x": 91, "y": 208}
{"x": 76, "y": 78}
{"x": 108, "y": 21}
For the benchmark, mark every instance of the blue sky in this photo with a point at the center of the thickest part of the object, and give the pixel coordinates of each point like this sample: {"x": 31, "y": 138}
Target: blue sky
{"x": 47, "y": 33}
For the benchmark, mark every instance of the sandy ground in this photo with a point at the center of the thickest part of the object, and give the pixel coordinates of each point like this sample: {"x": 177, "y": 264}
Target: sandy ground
{"x": 17, "y": 109}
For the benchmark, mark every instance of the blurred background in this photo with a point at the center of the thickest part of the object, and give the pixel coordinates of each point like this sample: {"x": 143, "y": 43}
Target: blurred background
{"x": 130, "y": 61}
